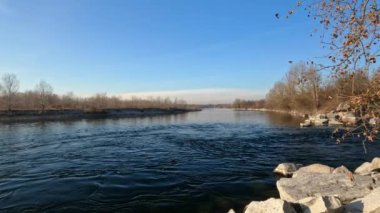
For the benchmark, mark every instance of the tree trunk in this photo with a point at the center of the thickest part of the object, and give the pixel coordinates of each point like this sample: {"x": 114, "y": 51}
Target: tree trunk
{"x": 9, "y": 103}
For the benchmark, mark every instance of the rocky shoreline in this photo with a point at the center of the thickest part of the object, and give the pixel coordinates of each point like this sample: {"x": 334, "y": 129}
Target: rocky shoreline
{"x": 35, "y": 115}
{"x": 292, "y": 112}
{"x": 343, "y": 115}
{"x": 318, "y": 188}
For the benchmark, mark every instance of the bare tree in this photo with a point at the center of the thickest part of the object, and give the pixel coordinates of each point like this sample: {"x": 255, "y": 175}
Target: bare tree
{"x": 314, "y": 80}
{"x": 10, "y": 88}
{"x": 44, "y": 90}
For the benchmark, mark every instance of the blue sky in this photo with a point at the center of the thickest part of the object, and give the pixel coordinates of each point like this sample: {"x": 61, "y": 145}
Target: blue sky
{"x": 143, "y": 46}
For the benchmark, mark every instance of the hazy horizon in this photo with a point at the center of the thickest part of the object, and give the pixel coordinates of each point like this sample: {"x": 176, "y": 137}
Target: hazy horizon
{"x": 201, "y": 96}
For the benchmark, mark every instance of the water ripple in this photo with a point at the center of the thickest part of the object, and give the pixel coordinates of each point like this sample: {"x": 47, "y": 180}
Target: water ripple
{"x": 207, "y": 161}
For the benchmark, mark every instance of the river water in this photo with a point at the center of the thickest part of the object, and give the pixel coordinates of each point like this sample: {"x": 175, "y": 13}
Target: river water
{"x": 208, "y": 161}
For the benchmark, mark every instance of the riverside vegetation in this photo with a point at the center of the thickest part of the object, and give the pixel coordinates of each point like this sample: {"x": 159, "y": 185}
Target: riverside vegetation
{"x": 305, "y": 90}
{"x": 42, "y": 103}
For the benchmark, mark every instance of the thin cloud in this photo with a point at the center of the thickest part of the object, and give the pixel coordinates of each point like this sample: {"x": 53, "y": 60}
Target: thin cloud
{"x": 201, "y": 96}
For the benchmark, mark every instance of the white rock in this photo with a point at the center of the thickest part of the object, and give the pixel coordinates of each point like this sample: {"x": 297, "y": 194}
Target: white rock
{"x": 320, "y": 184}
{"x": 231, "y": 211}
{"x": 367, "y": 204}
{"x": 364, "y": 169}
{"x": 286, "y": 169}
{"x": 374, "y": 121}
{"x": 342, "y": 170}
{"x": 375, "y": 164}
{"x": 270, "y": 206}
{"x": 343, "y": 107}
{"x": 316, "y": 168}
{"x": 349, "y": 118}
{"x": 321, "y": 204}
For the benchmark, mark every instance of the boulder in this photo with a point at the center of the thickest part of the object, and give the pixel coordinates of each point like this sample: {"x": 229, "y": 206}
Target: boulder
{"x": 375, "y": 164}
{"x": 343, "y": 107}
{"x": 304, "y": 185}
{"x": 316, "y": 168}
{"x": 286, "y": 169}
{"x": 332, "y": 115}
{"x": 342, "y": 170}
{"x": 321, "y": 204}
{"x": 364, "y": 169}
{"x": 374, "y": 121}
{"x": 349, "y": 118}
{"x": 269, "y": 206}
{"x": 367, "y": 204}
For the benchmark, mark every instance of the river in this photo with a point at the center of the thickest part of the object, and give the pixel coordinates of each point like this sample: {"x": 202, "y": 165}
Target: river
{"x": 208, "y": 161}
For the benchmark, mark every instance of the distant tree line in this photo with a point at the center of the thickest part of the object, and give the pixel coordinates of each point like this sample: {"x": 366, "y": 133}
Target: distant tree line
{"x": 248, "y": 104}
{"x": 43, "y": 98}
{"x": 305, "y": 89}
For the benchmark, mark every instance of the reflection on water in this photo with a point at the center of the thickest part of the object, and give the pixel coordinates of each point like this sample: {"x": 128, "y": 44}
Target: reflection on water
{"x": 206, "y": 161}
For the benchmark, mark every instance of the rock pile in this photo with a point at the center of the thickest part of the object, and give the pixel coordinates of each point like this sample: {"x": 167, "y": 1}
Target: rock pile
{"x": 319, "y": 188}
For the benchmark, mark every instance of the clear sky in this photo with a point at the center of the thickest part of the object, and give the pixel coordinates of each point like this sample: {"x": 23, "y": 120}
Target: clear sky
{"x": 152, "y": 46}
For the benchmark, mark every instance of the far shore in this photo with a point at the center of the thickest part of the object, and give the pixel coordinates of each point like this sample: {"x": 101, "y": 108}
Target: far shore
{"x": 68, "y": 114}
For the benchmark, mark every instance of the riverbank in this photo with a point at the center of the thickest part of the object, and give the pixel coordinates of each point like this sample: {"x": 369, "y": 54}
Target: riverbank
{"x": 294, "y": 113}
{"x": 35, "y": 115}
{"x": 319, "y": 188}
{"x": 343, "y": 115}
